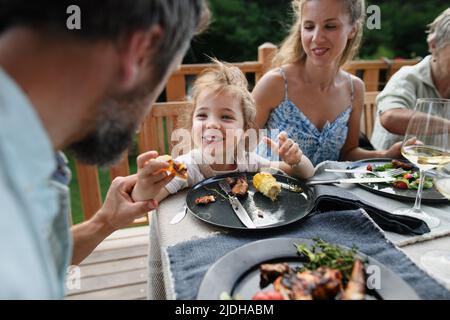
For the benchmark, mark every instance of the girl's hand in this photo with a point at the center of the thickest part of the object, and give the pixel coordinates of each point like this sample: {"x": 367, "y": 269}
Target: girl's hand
{"x": 287, "y": 149}
{"x": 151, "y": 176}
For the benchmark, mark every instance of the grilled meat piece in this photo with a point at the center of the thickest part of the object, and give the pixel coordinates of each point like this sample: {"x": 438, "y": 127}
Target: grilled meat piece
{"x": 205, "y": 200}
{"x": 271, "y": 271}
{"x": 283, "y": 285}
{"x": 240, "y": 188}
{"x": 323, "y": 284}
{"x": 356, "y": 287}
{"x": 329, "y": 285}
{"x": 401, "y": 164}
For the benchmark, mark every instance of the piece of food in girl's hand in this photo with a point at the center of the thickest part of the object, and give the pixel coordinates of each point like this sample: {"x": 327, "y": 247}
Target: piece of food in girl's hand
{"x": 266, "y": 183}
{"x": 177, "y": 168}
{"x": 205, "y": 199}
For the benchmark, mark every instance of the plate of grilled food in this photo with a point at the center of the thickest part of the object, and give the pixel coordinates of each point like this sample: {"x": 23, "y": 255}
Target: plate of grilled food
{"x": 301, "y": 269}
{"x": 406, "y": 182}
{"x": 250, "y": 200}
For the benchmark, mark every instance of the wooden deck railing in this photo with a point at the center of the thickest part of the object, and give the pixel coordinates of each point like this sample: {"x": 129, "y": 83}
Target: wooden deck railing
{"x": 162, "y": 118}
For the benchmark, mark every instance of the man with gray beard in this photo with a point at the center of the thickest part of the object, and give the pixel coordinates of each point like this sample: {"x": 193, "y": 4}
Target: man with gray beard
{"x": 86, "y": 89}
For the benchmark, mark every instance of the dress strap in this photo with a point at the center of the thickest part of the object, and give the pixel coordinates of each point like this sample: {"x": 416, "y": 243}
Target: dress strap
{"x": 352, "y": 89}
{"x": 285, "y": 83}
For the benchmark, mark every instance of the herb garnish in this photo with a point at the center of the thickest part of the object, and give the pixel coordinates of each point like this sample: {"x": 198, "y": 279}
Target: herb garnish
{"x": 324, "y": 254}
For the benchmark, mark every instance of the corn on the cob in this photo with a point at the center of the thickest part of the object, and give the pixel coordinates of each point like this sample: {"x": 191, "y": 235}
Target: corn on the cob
{"x": 266, "y": 184}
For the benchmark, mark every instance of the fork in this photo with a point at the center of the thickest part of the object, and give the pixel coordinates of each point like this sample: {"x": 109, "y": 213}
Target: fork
{"x": 380, "y": 174}
{"x": 225, "y": 186}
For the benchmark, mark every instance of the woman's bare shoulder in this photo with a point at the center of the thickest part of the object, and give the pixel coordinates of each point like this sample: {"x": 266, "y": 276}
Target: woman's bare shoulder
{"x": 270, "y": 89}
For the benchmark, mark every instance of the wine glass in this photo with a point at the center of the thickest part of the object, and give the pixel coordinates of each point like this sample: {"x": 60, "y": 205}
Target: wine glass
{"x": 437, "y": 262}
{"x": 426, "y": 144}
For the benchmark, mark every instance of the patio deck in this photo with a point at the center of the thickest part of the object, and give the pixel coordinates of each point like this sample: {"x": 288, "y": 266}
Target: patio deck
{"x": 116, "y": 269}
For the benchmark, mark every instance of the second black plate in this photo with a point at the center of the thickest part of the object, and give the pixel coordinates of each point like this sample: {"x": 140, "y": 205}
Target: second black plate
{"x": 385, "y": 189}
{"x": 237, "y": 273}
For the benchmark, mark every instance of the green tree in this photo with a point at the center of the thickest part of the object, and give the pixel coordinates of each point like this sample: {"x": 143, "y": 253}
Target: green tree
{"x": 240, "y": 26}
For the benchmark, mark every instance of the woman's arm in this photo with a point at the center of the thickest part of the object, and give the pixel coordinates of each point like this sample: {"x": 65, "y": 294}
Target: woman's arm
{"x": 351, "y": 149}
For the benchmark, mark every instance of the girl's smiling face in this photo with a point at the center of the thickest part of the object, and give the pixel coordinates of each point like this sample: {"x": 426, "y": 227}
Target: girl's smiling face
{"x": 325, "y": 30}
{"x": 216, "y": 113}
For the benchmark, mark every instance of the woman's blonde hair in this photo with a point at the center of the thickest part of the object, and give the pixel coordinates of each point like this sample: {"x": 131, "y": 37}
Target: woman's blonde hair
{"x": 439, "y": 29}
{"x": 292, "y": 51}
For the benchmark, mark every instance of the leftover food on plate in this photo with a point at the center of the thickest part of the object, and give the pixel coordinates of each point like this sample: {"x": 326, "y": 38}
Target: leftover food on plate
{"x": 239, "y": 186}
{"x": 205, "y": 199}
{"x": 267, "y": 184}
{"x": 408, "y": 179}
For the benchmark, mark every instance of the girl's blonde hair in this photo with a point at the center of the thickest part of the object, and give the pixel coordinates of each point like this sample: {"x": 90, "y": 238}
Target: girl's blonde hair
{"x": 223, "y": 77}
{"x": 292, "y": 51}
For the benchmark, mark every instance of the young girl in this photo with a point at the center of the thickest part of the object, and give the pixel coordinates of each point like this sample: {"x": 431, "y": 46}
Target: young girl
{"x": 223, "y": 109}
{"x": 308, "y": 95}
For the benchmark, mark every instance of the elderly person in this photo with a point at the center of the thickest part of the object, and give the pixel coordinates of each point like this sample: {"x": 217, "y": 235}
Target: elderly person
{"x": 86, "y": 90}
{"x": 430, "y": 78}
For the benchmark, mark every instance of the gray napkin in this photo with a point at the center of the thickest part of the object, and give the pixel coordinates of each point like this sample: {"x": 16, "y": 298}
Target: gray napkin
{"x": 190, "y": 260}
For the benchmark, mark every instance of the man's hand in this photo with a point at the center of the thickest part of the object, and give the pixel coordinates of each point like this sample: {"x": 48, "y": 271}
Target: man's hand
{"x": 119, "y": 210}
{"x": 151, "y": 176}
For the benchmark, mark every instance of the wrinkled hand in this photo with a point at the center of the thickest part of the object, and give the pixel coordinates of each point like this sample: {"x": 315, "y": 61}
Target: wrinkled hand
{"x": 287, "y": 149}
{"x": 151, "y": 176}
{"x": 119, "y": 210}
{"x": 395, "y": 151}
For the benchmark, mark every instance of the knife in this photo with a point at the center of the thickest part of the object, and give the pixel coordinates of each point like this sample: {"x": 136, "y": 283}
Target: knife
{"x": 353, "y": 180}
{"x": 240, "y": 211}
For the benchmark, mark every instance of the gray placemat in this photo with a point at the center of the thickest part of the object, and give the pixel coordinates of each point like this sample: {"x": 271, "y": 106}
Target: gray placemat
{"x": 190, "y": 260}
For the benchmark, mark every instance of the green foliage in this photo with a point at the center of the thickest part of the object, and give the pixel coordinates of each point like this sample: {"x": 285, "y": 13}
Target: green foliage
{"x": 403, "y": 26}
{"x": 240, "y": 26}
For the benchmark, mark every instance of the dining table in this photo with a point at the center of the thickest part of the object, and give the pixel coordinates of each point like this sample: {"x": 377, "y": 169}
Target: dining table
{"x": 180, "y": 254}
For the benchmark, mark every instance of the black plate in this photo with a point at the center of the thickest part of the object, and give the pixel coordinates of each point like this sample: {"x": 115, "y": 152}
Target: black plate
{"x": 288, "y": 208}
{"x": 237, "y": 272}
{"x": 385, "y": 189}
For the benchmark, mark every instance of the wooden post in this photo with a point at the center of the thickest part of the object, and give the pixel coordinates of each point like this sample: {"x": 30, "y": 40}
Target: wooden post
{"x": 89, "y": 189}
{"x": 371, "y": 79}
{"x": 266, "y": 52}
{"x": 176, "y": 88}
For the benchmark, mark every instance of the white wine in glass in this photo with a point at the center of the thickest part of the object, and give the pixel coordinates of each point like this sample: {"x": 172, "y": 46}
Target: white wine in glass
{"x": 426, "y": 144}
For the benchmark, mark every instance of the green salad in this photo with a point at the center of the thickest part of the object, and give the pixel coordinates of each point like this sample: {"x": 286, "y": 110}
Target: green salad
{"x": 407, "y": 179}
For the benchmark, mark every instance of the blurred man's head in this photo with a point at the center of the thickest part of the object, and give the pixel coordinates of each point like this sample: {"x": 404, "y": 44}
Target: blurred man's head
{"x": 149, "y": 38}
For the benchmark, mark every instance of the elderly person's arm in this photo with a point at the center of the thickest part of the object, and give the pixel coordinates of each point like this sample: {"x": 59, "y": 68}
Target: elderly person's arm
{"x": 396, "y": 120}
{"x": 396, "y": 102}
